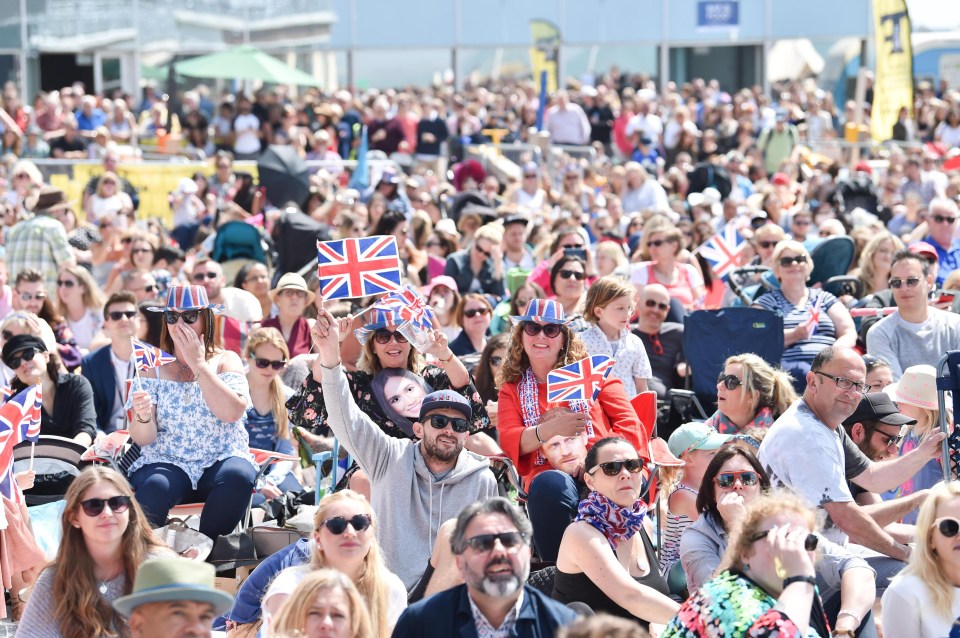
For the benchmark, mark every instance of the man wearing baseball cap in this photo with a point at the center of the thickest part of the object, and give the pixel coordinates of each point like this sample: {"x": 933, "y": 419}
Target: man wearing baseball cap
{"x": 173, "y": 597}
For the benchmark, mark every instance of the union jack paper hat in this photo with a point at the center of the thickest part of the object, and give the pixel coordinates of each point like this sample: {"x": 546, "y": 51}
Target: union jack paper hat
{"x": 543, "y": 311}
{"x": 182, "y": 297}
{"x": 378, "y": 318}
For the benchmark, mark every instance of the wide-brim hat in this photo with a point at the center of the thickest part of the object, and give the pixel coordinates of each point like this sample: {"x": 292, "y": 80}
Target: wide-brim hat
{"x": 543, "y": 311}
{"x": 917, "y": 386}
{"x": 183, "y": 297}
{"x": 49, "y": 199}
{"x": 377, "y": 319}
{"x": 174, "y": 578}
{"x": 292, "y": 281}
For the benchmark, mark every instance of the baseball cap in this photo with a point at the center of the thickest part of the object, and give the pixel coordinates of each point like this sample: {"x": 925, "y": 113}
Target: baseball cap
{"x": 446, "y": 399}
{"x": 695, "y": 436}
{"x": 925, "y": 249}
{"x": 878, "y": 406}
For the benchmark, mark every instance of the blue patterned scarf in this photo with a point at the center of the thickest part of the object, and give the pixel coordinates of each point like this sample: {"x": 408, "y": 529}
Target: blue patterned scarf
{"x": 616, "y": 523}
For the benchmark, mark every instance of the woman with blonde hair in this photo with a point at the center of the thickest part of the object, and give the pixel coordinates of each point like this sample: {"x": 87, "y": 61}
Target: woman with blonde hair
{"x": 81, "y": 303}
{"x": 109, "y": 203}
{"x": 750, "y": 393}
{"x": 873, "y": 269}
{"x": 924, "y": 600}
{"x": 660, "y": 249}
{"x": 610, "y": 259}
{"x": 325, "y": 605}
{"x": 105, "y": 538}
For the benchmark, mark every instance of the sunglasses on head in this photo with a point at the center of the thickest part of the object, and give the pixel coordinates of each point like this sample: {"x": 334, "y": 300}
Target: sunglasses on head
{"x": 486, "y": 542}
{"x": 729, "y": 381}
{"x": 94, "y": 506}
{"x": 728, "y": 479}
{"x": 896, "y": 282}
{"x": 613, "y": 468}
{"x": 650, "y": 303}
{"x": 383, "y": 336}
{"x": 439, "y": 421}
{"x": 947, "y": 526}
{"x": 66, "y": 283}
{"x": 551, "y": 330}
{"x": 809, "y": 543}
{"x": 117, "y": 315}
{"x": 785, "y": 262}
{"x": 188, "y": 316}
{"x": 17, "y": 358}
{"x": 269, "y": 363}
{"x": 338, "y": 524}
{"x": 473, "y": 312}
{"x": 199, "y": 276}
{"x": 572, "y": 274}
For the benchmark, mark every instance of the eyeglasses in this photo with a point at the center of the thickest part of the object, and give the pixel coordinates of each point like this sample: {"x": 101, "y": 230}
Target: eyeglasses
{"x": 529, "y": 176}
{"x": 729, "y": 381}
{"x": 188, "y": 316}
{"x": 26, "y": 296}
{"x": 434, "y": 244}
{"x": 473, "y": 312}
{"x": 338, "y": 524}
{"x": 269, "y": 363}
{"x": 439, "y": 421}
{"x": 846, "y": 384}
{"x": 785, "y": 262}
{"x": 486, "y": 542}
{"x": 940, "y": 219}
{"x": 66, "y": 283}
{"x": 766, "y": 245}
{"x": 613, "y": 468}
{"x": 572, "y": 274}
{"x": 728, "y": 479}
{"x": 496, "y": 362}
{"x": 139, "y": 251}
{"x": 889, "y": 439}
{"x": 533, "y": 329}
{"x": 117, "y": 315}
{"x": 27, "y": 354}
{"x": 294, "y": 293}
{"x": 650, "y": 303}
{"x": 383, "y": 336}
{"x": 896, "y": 282}
{"x": 948, "y": 526}
{"x": 94, "y": 506}
{"x": 199, "y": 276}
{"x": 660, "y": 242}
{"x": 801, "y": 222}
{"x": 809, "y": 543}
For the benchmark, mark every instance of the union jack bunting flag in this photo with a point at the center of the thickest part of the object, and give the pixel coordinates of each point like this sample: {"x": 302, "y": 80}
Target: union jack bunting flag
{"x": 579, "y": 381}
{"x": 814, "y": 319}
{"x": 722, "y": 251}
{"x": 408, "y": 304}
{"x": 19, "y": 421}
{"x": 148, "y": 356}
{"x": 358, "y": 267}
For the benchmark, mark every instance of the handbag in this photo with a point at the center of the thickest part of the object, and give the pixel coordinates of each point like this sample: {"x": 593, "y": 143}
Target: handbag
{"x": 184, "y": 540}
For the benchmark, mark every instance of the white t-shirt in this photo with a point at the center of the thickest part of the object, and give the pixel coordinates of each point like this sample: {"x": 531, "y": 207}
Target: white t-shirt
{"x": 246, "y": 127}
{"x": 908, "y": 610}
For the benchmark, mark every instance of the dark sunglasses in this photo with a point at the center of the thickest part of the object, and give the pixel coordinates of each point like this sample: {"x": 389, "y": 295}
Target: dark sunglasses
{"x": 896, "y": 282}
{"x": 949, "y": 527}
{"x": 150, "y": 288}
{"x": 117, "y": 315}
{"x": 785, "y": 262}
{"x": 383, "y": 337}
{"x": 198, "y": 276}
{"x": 140, "y": 251}
{"x": 533, "y": 329}
{"x": 189, "y": 316}
{"x": 801, "y": 222}
{"x": 940, "y": 219}
{"x": 473, "y": 312}
{"x": 338, "y": 524}
{"x": 482, "y": 251}
{"x": 650, "y": 303}
{"x": 94, "y": 506}
{"x": 613, "y": 468}
{"x": 572, "y": 274}
{"x": 496, "y": 361}
{"x": 573, "y": 247}
{"x": 66, "y": 283}
{"x": 27, "y": 354}
{"x": 660, "y": 242}
{"x": 729, "y": 381}
{"x": 126, "y": 240}
{"x": 766, "y": 245}
{"x": 486, "y": 542}
{"x": 268, "y": 363}
{"x": 458, "y": 425}
{"x": 727, "y": 479}
{"x": 890, "y": 439}
{"x": 809, "y": 543}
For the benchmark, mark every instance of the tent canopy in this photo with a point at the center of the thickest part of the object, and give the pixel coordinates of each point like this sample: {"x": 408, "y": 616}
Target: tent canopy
{"x": 244, "y": 63}
{"x": 793, "y": 60}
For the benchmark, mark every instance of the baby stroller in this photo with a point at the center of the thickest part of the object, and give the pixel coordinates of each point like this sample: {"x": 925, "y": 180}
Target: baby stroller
{"x": 56, "y": 460}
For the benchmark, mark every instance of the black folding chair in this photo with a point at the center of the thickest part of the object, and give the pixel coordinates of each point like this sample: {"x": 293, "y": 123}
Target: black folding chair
{"x": 948, "y": 380}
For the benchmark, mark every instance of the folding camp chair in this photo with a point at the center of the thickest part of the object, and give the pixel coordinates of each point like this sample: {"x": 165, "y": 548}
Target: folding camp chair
{"x": 948, "y": 380}
{"x": 56, "y": 460}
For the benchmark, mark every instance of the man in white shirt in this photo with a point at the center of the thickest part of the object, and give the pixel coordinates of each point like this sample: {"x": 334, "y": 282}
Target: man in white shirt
{"x": 515, "y": 251}
{"x": 246, "y": 130}
{"x": 645, "y": 124}
{"x": 566, "y": 122}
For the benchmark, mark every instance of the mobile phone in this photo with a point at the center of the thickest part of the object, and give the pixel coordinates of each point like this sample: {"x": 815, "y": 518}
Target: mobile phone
{"x": 576, "y": 252}
{"x": 945, "y": 297}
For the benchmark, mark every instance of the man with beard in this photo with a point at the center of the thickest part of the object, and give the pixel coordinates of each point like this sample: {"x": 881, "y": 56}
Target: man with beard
{"x": 415, "y": 485}
{"x": 491, "y": 542}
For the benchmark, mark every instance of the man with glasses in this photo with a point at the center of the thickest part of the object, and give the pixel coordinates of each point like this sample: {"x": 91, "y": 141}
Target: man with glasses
{"x": 109, "y": 368}
{"x": 480, "y": 267}
{"x": 491, "y": 545}
{"x": 530, "y": 197}
{"x": 237, "y": 303}
{"x": 141, "y": 283}
{"x": 416, "y": 485}
{"x": 515, "y": 251}
{"x": 807, "y": 451}
{"x": 917, "y": 333}
{"x": 942, "y": 224}
{"x": 662, "y": 339}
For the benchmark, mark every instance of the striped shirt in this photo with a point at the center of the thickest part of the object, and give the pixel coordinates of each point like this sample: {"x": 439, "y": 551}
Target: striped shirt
{"x": 677, "y": 524}
{"x": 825, "y": 334}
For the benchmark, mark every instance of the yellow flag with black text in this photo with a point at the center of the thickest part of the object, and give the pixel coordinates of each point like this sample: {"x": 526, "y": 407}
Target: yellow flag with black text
{"x": 544, "y": 53}
{"x": 893, "y": 84}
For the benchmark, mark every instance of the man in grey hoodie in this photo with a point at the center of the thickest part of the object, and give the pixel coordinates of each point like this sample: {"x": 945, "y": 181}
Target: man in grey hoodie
{"x": 415, "y": 485}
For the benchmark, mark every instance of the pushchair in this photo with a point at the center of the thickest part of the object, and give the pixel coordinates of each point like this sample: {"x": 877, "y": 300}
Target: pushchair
{"x": 56, "y": 460}
{"x": 948, "y": 380}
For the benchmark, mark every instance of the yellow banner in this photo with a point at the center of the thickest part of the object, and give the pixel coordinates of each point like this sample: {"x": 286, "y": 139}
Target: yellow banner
{"x": 544, "y": 53}
{"x": 893, "y": 86}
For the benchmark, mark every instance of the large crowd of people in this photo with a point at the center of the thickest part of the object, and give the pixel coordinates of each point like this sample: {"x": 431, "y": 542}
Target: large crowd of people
{"x": 469, "y": 501}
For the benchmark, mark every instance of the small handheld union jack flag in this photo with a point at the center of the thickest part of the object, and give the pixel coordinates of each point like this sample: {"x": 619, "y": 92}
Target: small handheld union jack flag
{"x": 148, "y": 356}
{"x": 19, "y": 421}
{"x": 722, "y": 251}
{"x": 579, "y": 381}
{"x": 814, "y": 319}
{"x": 358, "y": 267}
{"x": 408, "y": 304}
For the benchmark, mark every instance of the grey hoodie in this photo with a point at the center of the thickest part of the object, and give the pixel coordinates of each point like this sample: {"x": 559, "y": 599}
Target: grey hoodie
{"x": 409, "y": 501}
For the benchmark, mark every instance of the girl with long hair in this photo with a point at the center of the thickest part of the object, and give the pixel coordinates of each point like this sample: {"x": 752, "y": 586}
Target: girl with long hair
{"x": 327, "y": 605}
{"x": 873, "y": 269}
{"x": 80, "y": 301}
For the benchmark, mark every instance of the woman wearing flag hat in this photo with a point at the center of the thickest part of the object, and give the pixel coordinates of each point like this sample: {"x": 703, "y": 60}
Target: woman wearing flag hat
{"x": 188, "y": 418}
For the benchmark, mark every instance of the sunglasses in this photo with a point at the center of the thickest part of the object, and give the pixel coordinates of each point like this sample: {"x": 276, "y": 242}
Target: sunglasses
{"x": 573, "y": 247}
{"x": 198, "y": 276}
{"x": 94, "y": 506}
{"x": 533, "y": 329}
{"x": 890, "y": 439}
{"x": 434, "y": 244}
{"x": 126, "y": 240}
{"x": 530, "y": 176}
{"x": 66, "y": 283}
{"x": 294, "y": 293}
{"x": 728, "y": 479}
{"x": 496, "y": 361}
{"x": 729, "y": 381}
{"x": 269, "y": 363}
{"x": 572, "y": 274}
{"x": 486, "y": 542}
{"x": 117, "y": 315}
{"x": 896, "y": 282}
{"x": 785, "y": 262}
{"x": 809, "y": 543}
{"x": 439, "y": 421}
{"x": 26, "y": 296}
{"x": 338, "y": 524}
{"x": 801, "y": 222}
{"x": 650, "y": 303}
{"x": 473, "y": 312}
{"x": 140, "y": 251}
{"x": 188, "y": 316}
{"x": 149, "y": 288}
{"x": 613, "y": 468}
{"x": 27, "y": 354}
{"x": 659, "y": 242}
{"x": 383, "y": 337}
{"x": 940, "y": 219}
{"x": 482, "y": 251}
{"x": 766, "y": 245}
{"x": 949, "y": 527}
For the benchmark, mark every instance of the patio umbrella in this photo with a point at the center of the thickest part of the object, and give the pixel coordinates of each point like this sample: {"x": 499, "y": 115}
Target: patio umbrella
{"x": 244, "y": 63}
{"x": 285, "y": 176}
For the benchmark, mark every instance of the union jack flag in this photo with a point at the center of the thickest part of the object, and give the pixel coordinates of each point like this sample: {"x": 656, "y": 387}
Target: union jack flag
{"x": 19, "y": 421}
{"x": 148, "y": 356}
{"x": 5, "y": 393}
{"x": 579, "y": 381}
{"x": 814, "y": 319}
{"x": 722, "y": 251}
{"x": 358, "y": 267}
{"x": 408, "y": 304}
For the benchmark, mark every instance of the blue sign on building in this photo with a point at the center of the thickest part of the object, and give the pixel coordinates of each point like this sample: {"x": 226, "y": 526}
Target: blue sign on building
{"x": 723, "y": 14}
